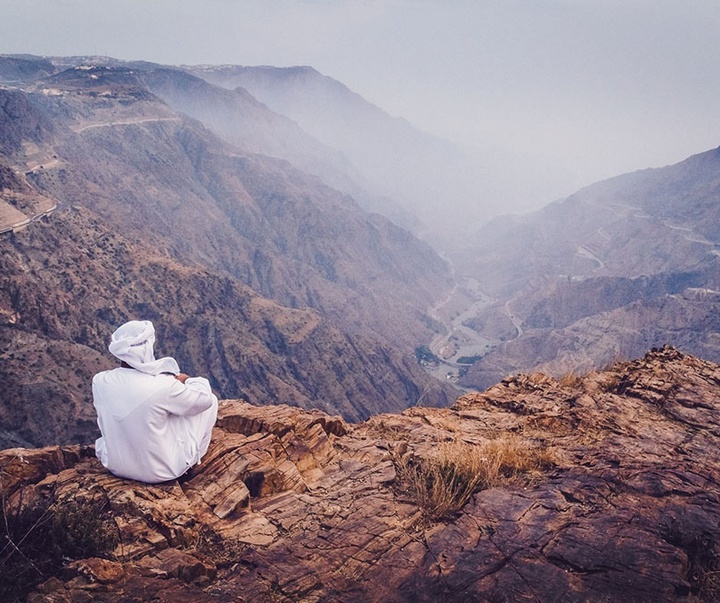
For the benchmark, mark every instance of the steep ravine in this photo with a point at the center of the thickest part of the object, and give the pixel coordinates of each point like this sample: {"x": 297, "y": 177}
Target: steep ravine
{"x": 277, "y": 287}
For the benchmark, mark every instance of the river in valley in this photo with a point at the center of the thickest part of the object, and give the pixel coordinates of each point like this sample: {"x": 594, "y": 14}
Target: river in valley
{"x": 465, "y": 301}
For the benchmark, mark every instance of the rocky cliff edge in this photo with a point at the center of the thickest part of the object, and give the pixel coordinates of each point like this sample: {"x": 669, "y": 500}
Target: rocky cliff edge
{"x": 622, "y": 502}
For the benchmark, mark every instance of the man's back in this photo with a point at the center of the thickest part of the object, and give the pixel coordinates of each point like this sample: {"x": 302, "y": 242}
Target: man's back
{"x": 147, "y": 422}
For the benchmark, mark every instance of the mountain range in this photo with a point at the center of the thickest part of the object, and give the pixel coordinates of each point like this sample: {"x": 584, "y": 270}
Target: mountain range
{"x": 267, "y": 220}
{"x": 433, "y": 184}
{"x": 621, "y": 266}
{"x": 275, "y": 226}
{"x": 278, "y": 287}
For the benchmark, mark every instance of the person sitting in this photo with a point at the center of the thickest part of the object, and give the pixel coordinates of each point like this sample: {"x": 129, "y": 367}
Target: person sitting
{"x": 155, "y": 421}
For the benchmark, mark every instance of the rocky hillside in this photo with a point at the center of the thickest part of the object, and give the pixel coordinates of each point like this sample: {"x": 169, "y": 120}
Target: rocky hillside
{"x": 60, "y": 301}
{"x": 278, "y": 287}
{"x": 433, "y": 180}
{"x": 621, "y": 266}
{"x": 605, "y": 488}
{"x": 240, "y": 119}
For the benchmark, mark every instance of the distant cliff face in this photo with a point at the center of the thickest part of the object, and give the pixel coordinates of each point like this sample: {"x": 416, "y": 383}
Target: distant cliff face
{"x": 605, "y": 488}
{"x": 623, "y": 265}
{"x": 240, "y": 119}
{"x": 390, "y": 156}
{"x": 276, "y": 286}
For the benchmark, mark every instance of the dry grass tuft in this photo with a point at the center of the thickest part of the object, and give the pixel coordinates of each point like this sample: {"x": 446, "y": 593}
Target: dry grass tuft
{"x": 572, "y": 380}
{"x": 441, "y": 485}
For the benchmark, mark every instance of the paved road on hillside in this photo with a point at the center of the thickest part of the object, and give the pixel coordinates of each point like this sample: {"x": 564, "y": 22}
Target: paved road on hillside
{"x": 516, "y": 322}
{"x": 124, "y": 122}
{"x": 584, "y": 252}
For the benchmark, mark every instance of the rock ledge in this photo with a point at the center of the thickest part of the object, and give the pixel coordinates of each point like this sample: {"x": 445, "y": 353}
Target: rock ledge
{"x": 291, "y": 505}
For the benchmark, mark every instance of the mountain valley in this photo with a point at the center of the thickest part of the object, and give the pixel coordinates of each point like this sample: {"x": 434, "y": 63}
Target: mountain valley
{"x": 215, "y": 201}
{"x": 620, "y": 267}
{"x": 278, "y": 287}
{"x": 495, "y": 418}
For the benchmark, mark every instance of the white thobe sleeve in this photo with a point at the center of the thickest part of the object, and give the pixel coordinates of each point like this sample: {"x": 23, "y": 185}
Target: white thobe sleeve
{"x": 189, "y": 398}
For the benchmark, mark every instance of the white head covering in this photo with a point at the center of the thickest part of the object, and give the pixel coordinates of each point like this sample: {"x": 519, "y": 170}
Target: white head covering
{"x": 133, "y": 343}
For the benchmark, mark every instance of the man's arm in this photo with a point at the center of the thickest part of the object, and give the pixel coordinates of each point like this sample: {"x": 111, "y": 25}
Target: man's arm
{"x": 189, "y": 395}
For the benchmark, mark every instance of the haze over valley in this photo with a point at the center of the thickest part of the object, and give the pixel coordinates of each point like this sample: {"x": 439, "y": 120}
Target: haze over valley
{"x": 243, "y": 261}
{"x": 299, "y": 245}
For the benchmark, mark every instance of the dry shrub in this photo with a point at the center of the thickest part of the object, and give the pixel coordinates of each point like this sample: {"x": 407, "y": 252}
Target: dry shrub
{"x": 708, "y": 585}
{"x": 37, "y": 539}
{"x": 703, "y": 554}
{"x": 442, "y": 484}
{"x": 572, "y": 380}
{"x": 223, "y": 552}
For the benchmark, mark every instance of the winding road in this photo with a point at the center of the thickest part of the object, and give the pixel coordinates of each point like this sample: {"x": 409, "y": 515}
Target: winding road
{"x": 125, "y": 122}
{"x": 464, "y": 340}
{"x": 515, "y": 320}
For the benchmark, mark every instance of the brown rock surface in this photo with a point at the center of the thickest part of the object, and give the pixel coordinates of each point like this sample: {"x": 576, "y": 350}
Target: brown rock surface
{"x": 294, "y": 505}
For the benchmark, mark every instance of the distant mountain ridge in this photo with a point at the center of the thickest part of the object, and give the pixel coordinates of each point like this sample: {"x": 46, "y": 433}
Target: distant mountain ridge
{"x": 237, "y": 117}
{"x": 278, "y": 287}
{"x": 626, "y": 264}
{"x": 413, "y": 168}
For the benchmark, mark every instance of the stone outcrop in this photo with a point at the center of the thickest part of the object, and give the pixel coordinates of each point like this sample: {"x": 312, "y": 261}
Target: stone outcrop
{"x": 295, "y": 505}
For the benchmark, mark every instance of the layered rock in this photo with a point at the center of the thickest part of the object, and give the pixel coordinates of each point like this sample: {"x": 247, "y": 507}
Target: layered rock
{"x": 291, "y": 505}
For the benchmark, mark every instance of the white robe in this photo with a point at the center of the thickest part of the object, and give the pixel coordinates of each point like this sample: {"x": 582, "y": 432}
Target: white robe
{"x": 154, "y": 428}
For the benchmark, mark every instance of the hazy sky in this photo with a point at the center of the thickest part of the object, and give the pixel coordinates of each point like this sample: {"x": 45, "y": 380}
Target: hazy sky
{"x": 581, "y": 89}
